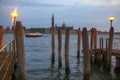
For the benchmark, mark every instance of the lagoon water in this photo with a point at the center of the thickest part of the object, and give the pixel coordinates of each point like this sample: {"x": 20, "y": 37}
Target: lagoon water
{"x": 38, "y": 60}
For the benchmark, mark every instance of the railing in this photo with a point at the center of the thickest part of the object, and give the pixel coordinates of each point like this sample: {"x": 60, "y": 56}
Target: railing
{"x": 7, "y": 60}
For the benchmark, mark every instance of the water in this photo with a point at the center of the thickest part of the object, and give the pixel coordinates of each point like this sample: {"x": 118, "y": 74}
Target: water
{"x": 38, "y": 60}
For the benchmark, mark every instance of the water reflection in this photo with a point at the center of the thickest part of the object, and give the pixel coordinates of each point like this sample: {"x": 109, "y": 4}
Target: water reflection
{"x": 98, "y": 73}
{"x": 77, "y": 68}
{"x": 67, "y": 77}
{"x": 55, "y": 74}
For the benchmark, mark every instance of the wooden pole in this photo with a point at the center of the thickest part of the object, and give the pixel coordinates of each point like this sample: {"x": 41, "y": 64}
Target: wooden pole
{"x": 53, "y": 41}
{"x": 117, "y": 67}
{"x": 108, "y": 63}
{"x": 86, "y": 54}
{"x": 101, "y": 48}
{"x": 95, "y": 38}
{"x": 1, "y": 36}
{"x": 19, "y": 36}
{"x": 100, "y": 43}
{"x": 59, "y": 49}
{"x": 66, "y": 54}
{"x": 107, "y": 39}
{"x": 97, "y": 55}
{"x": 79, "y": 36}
{"x": 91, "y": 43}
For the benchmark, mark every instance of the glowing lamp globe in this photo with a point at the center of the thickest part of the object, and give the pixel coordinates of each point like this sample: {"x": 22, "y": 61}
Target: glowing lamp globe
{"x": 111, "y": 18}
{"x": 14, "y": 14}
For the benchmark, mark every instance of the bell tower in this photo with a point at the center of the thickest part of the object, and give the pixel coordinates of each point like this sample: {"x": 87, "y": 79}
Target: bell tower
{"x": 52, "y": 22}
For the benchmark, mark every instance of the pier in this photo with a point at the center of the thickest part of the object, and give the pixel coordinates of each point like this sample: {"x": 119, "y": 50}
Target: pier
{"x": 7, "y": 60}
{"x": 12, "y": 54}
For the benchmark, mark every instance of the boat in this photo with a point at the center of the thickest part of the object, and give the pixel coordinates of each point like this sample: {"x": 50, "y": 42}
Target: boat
{"x": 36, "y": 34}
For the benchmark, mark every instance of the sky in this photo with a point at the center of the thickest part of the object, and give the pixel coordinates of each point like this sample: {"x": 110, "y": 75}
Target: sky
{"x": 76, "y": 13}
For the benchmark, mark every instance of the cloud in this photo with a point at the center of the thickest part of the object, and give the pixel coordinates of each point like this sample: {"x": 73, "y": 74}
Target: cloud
{"x": 60, "y": 3}
{"x": 84, "y": 2}
{"x": 103, "y": 2}
{"x": 30, "y": 3}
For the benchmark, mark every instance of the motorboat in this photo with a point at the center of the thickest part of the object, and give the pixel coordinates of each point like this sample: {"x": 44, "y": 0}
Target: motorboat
{"x": 36, "y": 34}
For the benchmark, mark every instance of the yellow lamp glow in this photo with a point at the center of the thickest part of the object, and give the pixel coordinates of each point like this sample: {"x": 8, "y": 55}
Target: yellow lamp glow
{"x": 14, "y": 14}
{"x": 111, "y": 18}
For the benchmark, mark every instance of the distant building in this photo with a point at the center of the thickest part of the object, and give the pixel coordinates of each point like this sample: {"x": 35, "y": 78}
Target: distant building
{"x": 62, "y": 28}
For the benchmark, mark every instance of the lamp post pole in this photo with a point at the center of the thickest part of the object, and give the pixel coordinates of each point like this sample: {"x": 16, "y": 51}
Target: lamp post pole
{"x": 14, "y": 15}
{"x": 111, "y": 19}
{"x": 14, "y": 23}
{"x": 111, "y": 23}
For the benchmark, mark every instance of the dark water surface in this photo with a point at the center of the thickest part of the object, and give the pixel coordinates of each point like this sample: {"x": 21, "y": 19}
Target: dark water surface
{"x": 38, "y": 60}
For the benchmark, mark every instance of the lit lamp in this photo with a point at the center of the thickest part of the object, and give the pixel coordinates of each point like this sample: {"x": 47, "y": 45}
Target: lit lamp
{"x": 14, "y": 15}
{"x": 111, "y": 19}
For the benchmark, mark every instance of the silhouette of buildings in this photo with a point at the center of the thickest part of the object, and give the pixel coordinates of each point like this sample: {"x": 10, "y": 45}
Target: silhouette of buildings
{"x": 63, "y": 27}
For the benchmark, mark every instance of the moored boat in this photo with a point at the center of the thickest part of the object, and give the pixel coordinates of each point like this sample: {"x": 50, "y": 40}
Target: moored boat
{"x": 36, "y": 34}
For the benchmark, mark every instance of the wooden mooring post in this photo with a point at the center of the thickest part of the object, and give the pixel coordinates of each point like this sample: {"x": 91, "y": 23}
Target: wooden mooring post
{"x": 91, "y": 44}
{"x": 95, "y": 37}
{"x": 96, "y": 55}
{"x": 53, "y": 41}
{"x": 107, "y": 40}
{"x": 19, "y": 37}
{"x": 109, "y": 50}
{"x": 101, "y": 43}
{"x": 86, "y": 54}
{"x": 66, "y": 54}
{"x": 59, "y": 48}
{"x": 1, "y": 36}
{"x": 78, "y": 46}
{"x": 101, "y": 48}
{"x": 117, "y": 67}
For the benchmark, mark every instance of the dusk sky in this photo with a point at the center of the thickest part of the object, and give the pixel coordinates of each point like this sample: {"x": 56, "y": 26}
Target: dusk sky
{"x": 77, "y": 13}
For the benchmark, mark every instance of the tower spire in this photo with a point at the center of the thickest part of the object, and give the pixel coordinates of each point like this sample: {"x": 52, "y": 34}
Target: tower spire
{"x": 52, "y": 20}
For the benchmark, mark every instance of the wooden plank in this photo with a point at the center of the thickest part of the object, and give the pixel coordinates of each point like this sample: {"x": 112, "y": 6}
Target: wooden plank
{"x": 6, "y": 69}
{"x": 6, "y": 61}
{"x": 6, "y": 76}
{"x": 3, "y": 67}
{"x": 9, "y": 67}
{"x": 114, "y": 52}
{"x": 3, "y": 48}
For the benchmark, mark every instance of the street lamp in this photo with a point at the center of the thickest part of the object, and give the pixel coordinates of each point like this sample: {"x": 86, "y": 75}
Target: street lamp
{"x": 111, "y": 19}
{"x": 14, "y": 15}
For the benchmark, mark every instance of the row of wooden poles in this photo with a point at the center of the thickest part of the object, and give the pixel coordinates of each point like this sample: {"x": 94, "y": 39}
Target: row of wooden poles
{"x": 88, "y": 51}
{"x": 66, "y": 49}
{"x": 19, "y": 39}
